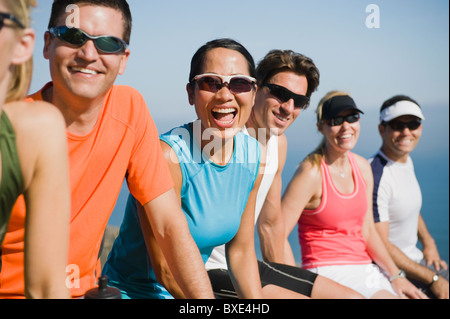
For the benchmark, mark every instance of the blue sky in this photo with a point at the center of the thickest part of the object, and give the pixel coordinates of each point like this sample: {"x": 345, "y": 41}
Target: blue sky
{"x": 407, "y": 54}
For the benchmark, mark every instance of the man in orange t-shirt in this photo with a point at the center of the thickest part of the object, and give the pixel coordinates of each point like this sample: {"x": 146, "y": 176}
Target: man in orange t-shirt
{"x": 111, "y": 136}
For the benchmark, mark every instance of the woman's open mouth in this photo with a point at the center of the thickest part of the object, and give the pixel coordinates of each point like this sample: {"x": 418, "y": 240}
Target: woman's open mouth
{"x": 224, "y": 116}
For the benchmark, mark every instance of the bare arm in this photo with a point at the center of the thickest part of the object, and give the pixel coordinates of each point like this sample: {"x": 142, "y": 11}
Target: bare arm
{"x": 304, "y": 191}
{"x": 271, "y": 228}
{"x": 430, "y": 250}
{"x": 41, "y": 140}
{"x": 439, "y": 288}
{"x": 400, "y": 259}
{"x": 240, "y": 252}
{"x": 412, "y": 269}
{"x": 171, "y": 231}
{"x": 174, "y": 255}
{"x": 159, "y": 263}
{"x": 375, "y": 246}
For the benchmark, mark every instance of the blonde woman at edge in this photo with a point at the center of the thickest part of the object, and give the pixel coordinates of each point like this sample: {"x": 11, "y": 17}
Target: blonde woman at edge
{"x": 330, "y": 197}
{"x": 33, "y": 159}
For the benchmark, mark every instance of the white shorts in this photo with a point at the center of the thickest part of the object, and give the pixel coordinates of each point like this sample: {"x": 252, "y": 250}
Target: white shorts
{"x": 365, "y": 279}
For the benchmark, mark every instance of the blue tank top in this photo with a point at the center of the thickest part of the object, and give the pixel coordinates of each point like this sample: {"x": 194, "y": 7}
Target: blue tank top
{"x": 213, "y": 199}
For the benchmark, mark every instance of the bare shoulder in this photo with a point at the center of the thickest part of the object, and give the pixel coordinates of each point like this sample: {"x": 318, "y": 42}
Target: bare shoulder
{"x": 40, "y": 134}
{"x": 305, "y": 188}
{"x": 282, "y": 151}
{"x": 309, "y": 169}
{"x": 307, "y": 173}
{"x": 282, "y": 141}
{"x": 365, "y": 167}
{"x": 38, "y": 126}
{"x": 362, "y": 162}
{"x": 169, "y": 153}
{"x": 34, "y": 117}
{"x": 174, "y": 165}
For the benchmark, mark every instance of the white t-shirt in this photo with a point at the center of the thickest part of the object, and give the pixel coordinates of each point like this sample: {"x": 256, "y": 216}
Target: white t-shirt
{"x": 217, "y": 260}
{"x": 397, "y": 199}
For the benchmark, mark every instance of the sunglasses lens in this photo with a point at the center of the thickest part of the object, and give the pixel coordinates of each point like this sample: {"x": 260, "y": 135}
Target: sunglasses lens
{"x": 108, "y": 44}
{"x": 214, "y": 84}
{"x": 284, "y": 95}
{"x": 209, "y": 83}
{"x": 413, "y": 125}
{"x": 76, "y": 37}
{"x": 400, "y": 126}
{"x": 352, "y": 118}
{"x": 279, "y": 93}
{"x": 337, "y": 121}
{"x": 240, "y": 85}
{"x": 301, "y": 102}
{"x": 72, "y": 36}
{"x": 396, "y": 125}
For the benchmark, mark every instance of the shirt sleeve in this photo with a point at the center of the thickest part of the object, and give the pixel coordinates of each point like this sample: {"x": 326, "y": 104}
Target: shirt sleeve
{"x": 381, "y": 192}
{"x": 148, "y": 175}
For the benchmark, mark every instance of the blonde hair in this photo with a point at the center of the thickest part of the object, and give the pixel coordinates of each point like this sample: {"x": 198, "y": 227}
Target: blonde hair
{"x": 316, "y": 156}
{"x": 21, "y": 74}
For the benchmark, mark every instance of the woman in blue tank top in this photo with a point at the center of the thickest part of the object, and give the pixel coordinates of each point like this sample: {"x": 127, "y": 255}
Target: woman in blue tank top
{"x": 215, "y": 171}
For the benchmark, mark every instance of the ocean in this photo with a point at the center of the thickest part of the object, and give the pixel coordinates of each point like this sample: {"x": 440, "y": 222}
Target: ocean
{"x": 431, "y": 161}
{"x": 433, "y": 176}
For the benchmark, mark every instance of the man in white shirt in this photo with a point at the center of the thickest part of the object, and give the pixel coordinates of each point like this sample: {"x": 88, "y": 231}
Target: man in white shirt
{"x": 397, "y": 198}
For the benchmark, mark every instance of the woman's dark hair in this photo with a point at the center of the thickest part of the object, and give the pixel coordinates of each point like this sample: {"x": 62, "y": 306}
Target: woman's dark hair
{"x": 59, "y": 8}
{"x": 199, "y": 57}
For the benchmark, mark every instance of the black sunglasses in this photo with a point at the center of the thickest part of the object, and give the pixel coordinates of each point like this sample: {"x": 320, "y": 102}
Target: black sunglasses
{"x": 9, "y": 16}
{"x": 214, "y": 82}
{"x": 339, "y": 120}
{"x": 397, "y": 125}
{"x": 77, "y": 37}
{"x": 284, "y": 95}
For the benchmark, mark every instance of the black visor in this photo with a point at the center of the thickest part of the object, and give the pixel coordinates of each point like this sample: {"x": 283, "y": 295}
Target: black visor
{"x": 332, "y": 107}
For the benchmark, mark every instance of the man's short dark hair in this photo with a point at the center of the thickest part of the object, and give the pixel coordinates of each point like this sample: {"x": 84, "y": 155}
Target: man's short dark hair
{"x": 59, "y": 8}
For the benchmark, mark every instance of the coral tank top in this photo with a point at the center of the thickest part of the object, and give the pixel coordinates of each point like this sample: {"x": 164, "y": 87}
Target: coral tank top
{"x": 332, "y": 234}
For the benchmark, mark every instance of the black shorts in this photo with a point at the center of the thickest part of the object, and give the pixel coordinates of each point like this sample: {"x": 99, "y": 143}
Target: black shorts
{"x": 288, "y": 277}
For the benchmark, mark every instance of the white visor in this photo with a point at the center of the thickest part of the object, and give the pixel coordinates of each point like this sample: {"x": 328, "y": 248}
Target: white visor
{"x": 399, "y": 109}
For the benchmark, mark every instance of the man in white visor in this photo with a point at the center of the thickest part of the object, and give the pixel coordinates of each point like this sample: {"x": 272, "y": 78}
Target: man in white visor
{"x": 397, "y": 198}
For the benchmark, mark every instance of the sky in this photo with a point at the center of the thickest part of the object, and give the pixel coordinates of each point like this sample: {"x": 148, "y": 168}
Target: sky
{"x": 402, "y": 47}
{"x": 407, "y": 52}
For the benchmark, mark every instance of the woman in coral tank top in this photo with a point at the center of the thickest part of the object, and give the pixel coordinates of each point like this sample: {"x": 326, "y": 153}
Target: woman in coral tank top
{"x": 330, "y": 197}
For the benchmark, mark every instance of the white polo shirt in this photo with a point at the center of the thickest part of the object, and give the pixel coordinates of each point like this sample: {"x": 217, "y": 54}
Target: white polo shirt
{"x": 397, "y": 199}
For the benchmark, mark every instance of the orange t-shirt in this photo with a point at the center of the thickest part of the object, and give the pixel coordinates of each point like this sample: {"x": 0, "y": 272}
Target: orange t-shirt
{"x": 123, "y": 144}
